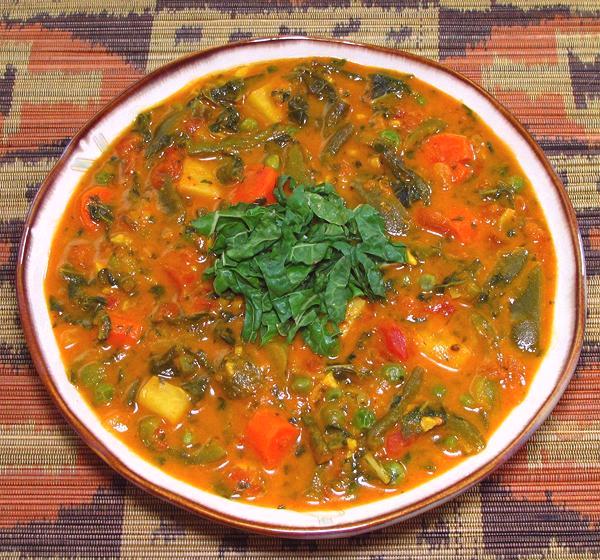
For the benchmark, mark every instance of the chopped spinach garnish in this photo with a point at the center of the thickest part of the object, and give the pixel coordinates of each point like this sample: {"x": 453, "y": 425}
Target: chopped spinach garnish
{"x": 299, "y": 262}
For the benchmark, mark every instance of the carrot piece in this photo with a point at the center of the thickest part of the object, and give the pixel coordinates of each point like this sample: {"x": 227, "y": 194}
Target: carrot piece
{"x": 124, "y": 330}
{"x": 395, "y": 340}
{"x": 102, "y": 194}
{"x": 454, "y": 150}
{"x": 258, "y": 184}
{"x": 270, "y": 436}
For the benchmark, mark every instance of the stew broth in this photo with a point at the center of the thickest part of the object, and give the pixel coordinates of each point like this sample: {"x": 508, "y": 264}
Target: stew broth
{"x": 270, "y": 339}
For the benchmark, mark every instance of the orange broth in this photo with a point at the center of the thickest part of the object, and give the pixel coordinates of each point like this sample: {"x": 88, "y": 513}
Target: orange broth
{"x": 160, "y": 356}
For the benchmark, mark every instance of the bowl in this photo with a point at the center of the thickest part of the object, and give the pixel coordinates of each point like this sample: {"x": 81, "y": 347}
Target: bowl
{"x": 546, "y": 388}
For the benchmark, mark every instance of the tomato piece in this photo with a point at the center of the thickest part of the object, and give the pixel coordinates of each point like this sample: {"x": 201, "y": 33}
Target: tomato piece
{"x": 454, "y": 150}
{"x": 182, "y": 267}
{"x": 396, "y": 444}
{"x": 124, "y": 330}
{"x": 459, "y": 224}
{"x": 395, "y": 340}
{"x": 258, "y": 184}
{"x": 270, "y": 436}
{"x": 169, "y": 166}
{"x": 81, "y": 256}
{"x": 98, "y": 194}
{"x": 167, "y": 310}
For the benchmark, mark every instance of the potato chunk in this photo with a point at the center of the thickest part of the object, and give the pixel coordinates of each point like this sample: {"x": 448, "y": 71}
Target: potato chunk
{"x": 164, "y": 398}
{"x": 198, "y": 180}
{"x": 262, "y": 101}
{"x": 446, "y": 351}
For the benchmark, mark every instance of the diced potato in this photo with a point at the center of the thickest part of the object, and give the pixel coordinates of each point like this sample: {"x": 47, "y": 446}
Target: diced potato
{"x": 164, "y": 398}
{"x": 445, "y": 351}
{"x": 120, "y": 239}
{"x": 353, "y": 312}
{"x": 198, "y": 180}
{"x": 262, "y": 101}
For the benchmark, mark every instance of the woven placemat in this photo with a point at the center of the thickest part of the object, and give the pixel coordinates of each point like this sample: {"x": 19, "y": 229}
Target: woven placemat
{"x": 61, "y": 60}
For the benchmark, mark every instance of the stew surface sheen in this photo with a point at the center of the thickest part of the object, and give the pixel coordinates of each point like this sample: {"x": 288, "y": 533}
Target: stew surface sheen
{"x": 303, "y": 284}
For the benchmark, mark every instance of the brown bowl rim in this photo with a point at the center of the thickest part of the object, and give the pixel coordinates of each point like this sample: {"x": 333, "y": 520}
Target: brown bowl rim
{"x": 347, "y": 529}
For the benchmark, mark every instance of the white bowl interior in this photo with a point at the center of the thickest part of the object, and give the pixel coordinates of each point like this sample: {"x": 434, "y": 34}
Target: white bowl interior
{"x": 109, "y": 127}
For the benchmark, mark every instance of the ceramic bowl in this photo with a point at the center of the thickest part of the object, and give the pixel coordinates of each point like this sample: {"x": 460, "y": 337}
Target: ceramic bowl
{"x": 546, "y": 387}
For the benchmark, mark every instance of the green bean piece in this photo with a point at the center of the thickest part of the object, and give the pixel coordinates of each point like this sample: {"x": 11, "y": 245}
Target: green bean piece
{"x": 318, "y": 444}
{"x": 525, "y": 313}
{"x": 295, "y": 166}
{"x": 469, "y": 437}
{"x": 103, "y": 393}
{"x": 337, "y": 140}
{"x": 376, "y": 435}
{"x": 240, "y": 142}
{"x": 333, "y": 416}
{"x": 91, "y": 374}
{"x": 396, "y": 470}
{"x": 508, "y": 267}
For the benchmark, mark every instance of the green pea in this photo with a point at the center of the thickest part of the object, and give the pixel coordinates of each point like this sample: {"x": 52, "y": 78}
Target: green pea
{"x": 187, "y": 437}
{"x": 333, "y": 394}
{"x": 427, "y": 282}
{"x": 364, "y": 418}
{"x": 390, "y": 136}
{"x": 394, "y": 373}
{"x": 396, "y": 470}
{"x": 248, "y": 124}
{"x": 439, "y": 390}
{"x": 302, "y": 384}
{"x": 272, "y": 160}
{"x": 149, "y": 430}
{"x": 103, "y": 393}
{"x": 420, "y": 99}
{"x": 91, "y": 374}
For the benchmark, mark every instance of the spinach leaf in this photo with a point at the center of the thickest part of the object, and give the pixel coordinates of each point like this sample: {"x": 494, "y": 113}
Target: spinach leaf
{"x": 407, "y": 185}
{"x": 384, "y": 84}
{"x": 298, "y": 109}
{"x": 228, "y": 120}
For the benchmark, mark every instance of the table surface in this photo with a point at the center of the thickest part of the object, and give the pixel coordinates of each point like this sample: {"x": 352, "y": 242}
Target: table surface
{"x": 62, "y": 60}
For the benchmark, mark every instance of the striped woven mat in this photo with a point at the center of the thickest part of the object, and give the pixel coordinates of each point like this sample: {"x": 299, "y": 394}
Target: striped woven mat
{"x": 62, "y": 60}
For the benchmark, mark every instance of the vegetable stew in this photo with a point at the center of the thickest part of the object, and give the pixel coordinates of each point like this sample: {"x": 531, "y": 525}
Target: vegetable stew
{"x": 304, "y": 284}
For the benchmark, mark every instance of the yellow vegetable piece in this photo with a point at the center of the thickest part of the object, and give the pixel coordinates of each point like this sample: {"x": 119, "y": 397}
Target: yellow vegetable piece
{"x": 351, "y": 444}
{"x": 330, "y": 381}
{"x": 164, "y": 398}
{"x": 430, "y": 422}
{"x": 444, "y": 350}
{"x": 261, "y": 101}
{"x": 353, "y": 312}
{"x": 198, "y": 180}
{"x": 120, "y": 239}
{"x": 411, "y": 259}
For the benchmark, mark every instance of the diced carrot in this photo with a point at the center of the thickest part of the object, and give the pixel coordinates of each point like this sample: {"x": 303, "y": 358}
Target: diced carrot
{"x": 258, "y": 184}
{"x": 169, "y": 166}
{"x": 100, "y": 194}
{"x": 270, "y": 436}
{"x": 112, "y": 301}
{"x": 395, "y": 340}
{"x": 124, "y": 330}
{"x": 454, "y": 150}
{"x": 457, "y": 223}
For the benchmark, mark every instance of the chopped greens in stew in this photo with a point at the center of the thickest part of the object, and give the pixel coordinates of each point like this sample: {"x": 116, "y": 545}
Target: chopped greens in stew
{"x": 304, "y": 283}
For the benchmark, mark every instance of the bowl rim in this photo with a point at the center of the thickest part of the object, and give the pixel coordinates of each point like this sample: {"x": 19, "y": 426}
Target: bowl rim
{"x": 346, "y": 529}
